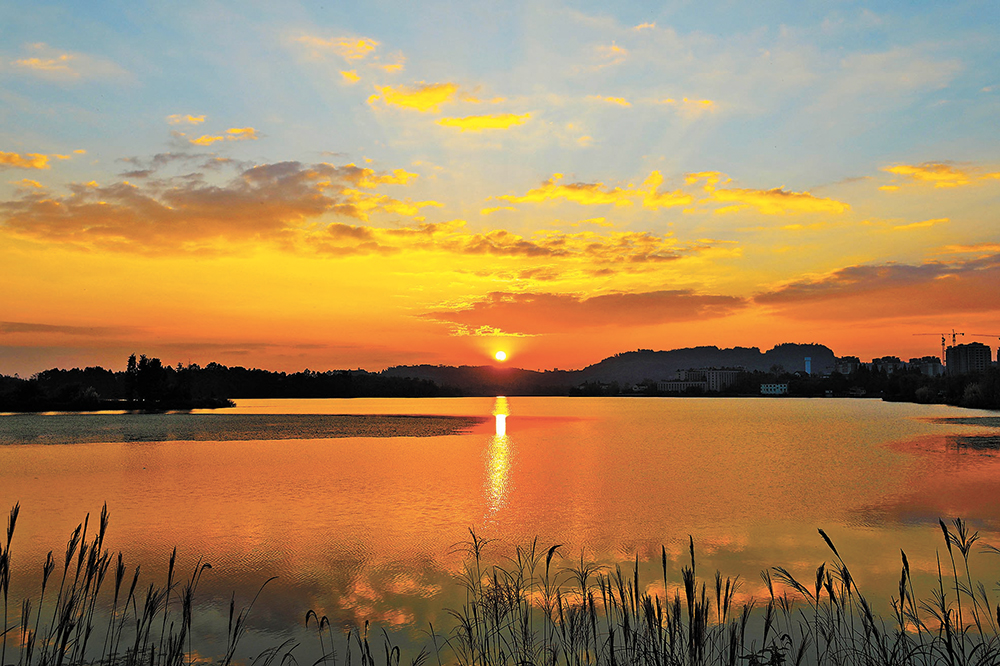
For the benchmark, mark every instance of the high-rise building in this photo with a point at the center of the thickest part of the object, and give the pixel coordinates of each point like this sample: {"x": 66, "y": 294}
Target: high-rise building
{"x": 927, "y": 365}
{"x": 971, "y": 357}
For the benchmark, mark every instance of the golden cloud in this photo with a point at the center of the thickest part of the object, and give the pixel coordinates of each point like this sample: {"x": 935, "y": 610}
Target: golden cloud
{"x": 495, "y": 209}
{"x": 423, "y": 97}
{"x": 206, "y": 140}
{"x": 611, "y": 55}
{"x": 486, "y": 332}
{"x": 620, "y": 101}
{"x": 55, "y": 65}
{"x": 232, "y": 134}
{"x": 691, "y": 108}
{"x": 241, "y": 134}
{"x": 654, "y": 199}
{"x": 595, "y": 194}
{"x": 185, "y": 119}
{"x": 940, "y": 174}
{"x": 487, "y": 122}
{"x": 26, "y": 161}
{"x": 350, "y": 76}
{"x": 921, "y": 225}
{"x": 982, "y": 249}
{"x": 776, "y": 201}
{"x": 396, "y": 65}
{"x": 588, "y": 194}
{"x": 59, "y": 64}
{"x": 349, "y": 48}
{"x": 711, "y": 178}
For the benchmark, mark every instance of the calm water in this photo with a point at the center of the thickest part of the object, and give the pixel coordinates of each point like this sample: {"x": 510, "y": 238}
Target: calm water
{"x": 358, "y": 507}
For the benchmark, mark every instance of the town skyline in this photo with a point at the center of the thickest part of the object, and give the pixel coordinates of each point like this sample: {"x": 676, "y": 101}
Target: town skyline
{"x": 384, "y": 185}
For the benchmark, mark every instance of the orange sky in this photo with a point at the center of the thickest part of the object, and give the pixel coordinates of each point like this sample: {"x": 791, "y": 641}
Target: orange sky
{"x": 306, "y": 188}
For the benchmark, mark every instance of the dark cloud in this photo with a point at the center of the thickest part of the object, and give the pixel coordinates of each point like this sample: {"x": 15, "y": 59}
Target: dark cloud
{"x": 185, "y": 213}
{"x": 892, "y": 290}
{"x": 544, "y": 312}
{"x": 11, "y": 327}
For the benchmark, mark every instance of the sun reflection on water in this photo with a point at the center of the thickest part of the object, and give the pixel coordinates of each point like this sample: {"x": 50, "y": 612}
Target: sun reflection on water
{"x": 499, "y": 462}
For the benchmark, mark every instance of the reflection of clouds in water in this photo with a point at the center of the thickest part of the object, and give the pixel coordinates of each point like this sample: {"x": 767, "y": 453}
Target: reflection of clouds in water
{"x": 499, "y": 461}
{"x": 394, "y": 594}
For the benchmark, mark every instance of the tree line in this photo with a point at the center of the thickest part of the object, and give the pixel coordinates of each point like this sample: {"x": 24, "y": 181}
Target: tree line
{"x": 146, "y": 383}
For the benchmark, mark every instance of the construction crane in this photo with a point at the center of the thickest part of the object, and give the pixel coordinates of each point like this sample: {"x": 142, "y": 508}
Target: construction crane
{"x": 954, "y": 337}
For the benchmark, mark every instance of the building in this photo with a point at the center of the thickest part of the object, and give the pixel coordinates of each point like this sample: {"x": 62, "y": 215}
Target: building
{"x": 721, "y": 379}
{"x": 971, "y": 357}
{"x": 848, "y": 364}
{"x": 887, "y": 364}
{"x": 702, "y": 379}
{"x": 679, "y": 386}
{"x": 927, "y": 365}
{"x": 774, "y": 389}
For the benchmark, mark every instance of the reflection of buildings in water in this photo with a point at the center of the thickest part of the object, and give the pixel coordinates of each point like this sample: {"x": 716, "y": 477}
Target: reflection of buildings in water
{"x": 499, "y": 462}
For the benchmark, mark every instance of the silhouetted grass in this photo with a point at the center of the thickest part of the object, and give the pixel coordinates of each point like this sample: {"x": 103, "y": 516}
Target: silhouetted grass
{"x": 527, "y": 610}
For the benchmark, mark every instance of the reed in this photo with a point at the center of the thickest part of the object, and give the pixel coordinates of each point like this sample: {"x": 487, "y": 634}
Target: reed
{"x": 528, "y": 608}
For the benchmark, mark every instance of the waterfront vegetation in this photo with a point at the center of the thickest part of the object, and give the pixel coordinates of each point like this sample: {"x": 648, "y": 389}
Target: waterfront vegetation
{"x": 525, "y": 610}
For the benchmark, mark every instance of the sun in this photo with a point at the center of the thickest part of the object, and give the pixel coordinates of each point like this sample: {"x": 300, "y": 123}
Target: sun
{"x": 501, "y": 355}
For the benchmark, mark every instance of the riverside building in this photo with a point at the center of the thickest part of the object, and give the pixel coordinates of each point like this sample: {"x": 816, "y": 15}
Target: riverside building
{"x": 971, "y": 357}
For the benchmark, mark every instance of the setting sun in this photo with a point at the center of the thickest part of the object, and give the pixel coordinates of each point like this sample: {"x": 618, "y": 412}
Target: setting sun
{"x": 501, "y": 356}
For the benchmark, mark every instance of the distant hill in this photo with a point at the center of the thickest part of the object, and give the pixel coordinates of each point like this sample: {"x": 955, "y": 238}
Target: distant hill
{"x": 636, "y": 366}
{"x": 625, "y": 368}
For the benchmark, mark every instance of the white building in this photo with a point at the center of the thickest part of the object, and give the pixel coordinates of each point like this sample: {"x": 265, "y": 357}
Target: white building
{"x": 774, "y": 389}
{"x": 704, "y": 379}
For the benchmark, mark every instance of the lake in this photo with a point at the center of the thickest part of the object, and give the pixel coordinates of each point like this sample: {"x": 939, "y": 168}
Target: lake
{"x": 360, "y": 507}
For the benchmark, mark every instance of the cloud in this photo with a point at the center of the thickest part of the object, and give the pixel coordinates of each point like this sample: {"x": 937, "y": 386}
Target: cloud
{"x": 537, "y": 313}
{"x": 892, "y": 290}
{"x": 982, "y": 249}
{"x": 644, "y": 26}
{"x": 776, "y": 201}
{"x": 185, "y": 119}
{"x": 620, "y": 101}
{"x": 423, "y": 97}
{"x": 920, "y": 225}
{"x": 690, "y": 108}
{"x": 265, "y": 203}
{"x": 350, "y": 76}
{"x": 495, "y": 209}
{"x": 487, "y": 122}
{"x": 27, "y": 182}
{"x": 59, "y": 64}
{"x": 588, "y": 194}
{"x": 485, "y": 332}
{"x": 592, "y": 194}
{"x": 52, "y": 64}
{"x": 14, "y": 327}
{"x": 941, "y": 174}
{"x": 654, "y": 199}
{"x": 26, "y": 161}
{"x": 396, "y": 65}
{"x": 611, "y": 55}
{"x": 349, "y": 48}
{"x": 232, "y": 134}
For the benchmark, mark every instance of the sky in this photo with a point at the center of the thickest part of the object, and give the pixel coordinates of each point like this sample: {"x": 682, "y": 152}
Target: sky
{"x": 331, "y": 185}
